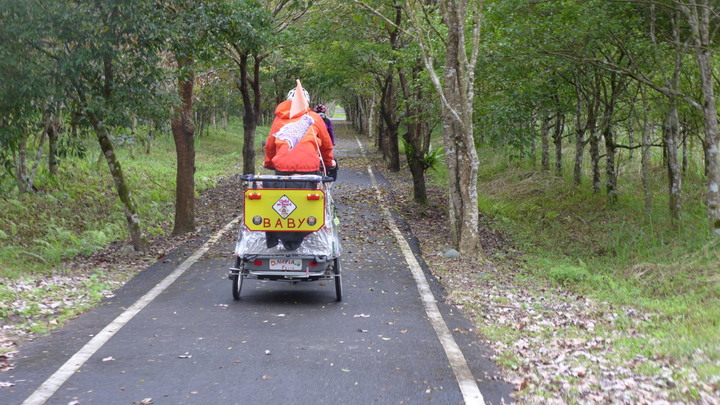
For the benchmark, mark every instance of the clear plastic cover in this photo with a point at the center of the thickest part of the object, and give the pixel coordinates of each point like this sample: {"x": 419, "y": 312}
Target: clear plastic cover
{"x": 324, "y": 242}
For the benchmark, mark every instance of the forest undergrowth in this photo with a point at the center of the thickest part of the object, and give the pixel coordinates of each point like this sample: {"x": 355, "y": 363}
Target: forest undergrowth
{"x": 62, "y": 248}
{"x": 584, "y": 301}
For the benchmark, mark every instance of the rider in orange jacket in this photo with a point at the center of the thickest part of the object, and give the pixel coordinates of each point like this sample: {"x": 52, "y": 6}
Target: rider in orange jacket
{"x": 298, "y": 144}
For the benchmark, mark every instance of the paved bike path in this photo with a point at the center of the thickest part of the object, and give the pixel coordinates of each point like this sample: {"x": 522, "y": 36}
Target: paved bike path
{"x": 281, "y": 343}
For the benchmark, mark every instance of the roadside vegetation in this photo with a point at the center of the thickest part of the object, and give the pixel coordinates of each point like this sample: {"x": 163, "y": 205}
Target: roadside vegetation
{"x": 618, "y": 253}
{"x": 76, "y": 214}
{"x": 612, "y": 281}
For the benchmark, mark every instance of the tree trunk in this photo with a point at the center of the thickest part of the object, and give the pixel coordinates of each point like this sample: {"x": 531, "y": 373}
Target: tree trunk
{"x": 646, "y": 136}
{"x": 52, "y": 132}
{"x": 132, "y": 218}
{"x": 149, "y": 137}
{"x": 20, "y": 167}
{"x": 416, "y": 165}
{"x": 36, "y": 162}
{"x": 249, "y": 116}
{"x": 372, "y": 117}
{"x": 183, "y": 130}
{"x": 533, "y": 142}
{"x": 592, "y": 101}
{"x": 674, "y": 176}
{"x": 380, "y": 136}
{"x": 557, "y": 140}
{"x": 684, "y": 143}
{"x": 417, "y": 137}
{"x": 545, "y": 148}
{"x": 390, "y": 96}
{"x": 699, "y": 17}
{"x": 460, "y": 153}
{"x": 713, "y": 179}
{"x": 579, "y": 155}
{"x": 579, "y": 131}
{"x": 456, "y": 92}
{"x": 389, "y": 143}
{"x": 196, "y": 117}
{"x": 595, "y": 162}
{"x": 26, "y": 180}
{"x": 610, "y": 171}
{"x": 356, "y": 114}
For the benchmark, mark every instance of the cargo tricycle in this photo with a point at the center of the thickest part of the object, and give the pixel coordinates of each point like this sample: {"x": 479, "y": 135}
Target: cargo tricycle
{"x": 289, "y": 232}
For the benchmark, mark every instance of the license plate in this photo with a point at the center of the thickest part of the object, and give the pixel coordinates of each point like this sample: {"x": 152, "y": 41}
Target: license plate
{"x": 286, "y": 264}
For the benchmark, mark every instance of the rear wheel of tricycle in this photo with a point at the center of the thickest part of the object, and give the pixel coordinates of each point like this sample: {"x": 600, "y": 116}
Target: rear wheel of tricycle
{"x": 338, "y": 280}
{"x": 237, "y": 282}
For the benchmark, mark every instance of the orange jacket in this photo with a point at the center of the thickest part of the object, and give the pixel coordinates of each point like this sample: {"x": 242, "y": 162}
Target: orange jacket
{"x": 303, "y": 156}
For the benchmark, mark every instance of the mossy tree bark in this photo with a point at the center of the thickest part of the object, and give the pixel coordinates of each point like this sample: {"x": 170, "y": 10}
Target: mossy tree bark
{"x": 460, "y": 153}
{"x": 139, "y": 240}
{"x": 388, "y": 143}
{"x": 461, "y": 18}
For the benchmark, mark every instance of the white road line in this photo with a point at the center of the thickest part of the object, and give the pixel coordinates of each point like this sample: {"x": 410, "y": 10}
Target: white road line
{"x": 55, "y": 381}
{"x": 470, "y": 391}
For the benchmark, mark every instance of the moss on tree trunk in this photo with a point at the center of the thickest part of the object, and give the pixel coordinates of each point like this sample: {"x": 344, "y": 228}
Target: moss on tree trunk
{"x": 137, "y": 236}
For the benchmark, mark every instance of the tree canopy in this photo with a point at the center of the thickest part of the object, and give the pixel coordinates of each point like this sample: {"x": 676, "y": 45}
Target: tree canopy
{"x": 602, "y": 77}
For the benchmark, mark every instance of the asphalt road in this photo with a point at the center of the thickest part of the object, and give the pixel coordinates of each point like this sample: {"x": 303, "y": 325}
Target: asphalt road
{"x": 281, "y": 343}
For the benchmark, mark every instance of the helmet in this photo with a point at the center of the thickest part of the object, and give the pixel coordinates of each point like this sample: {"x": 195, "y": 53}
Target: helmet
{"x": 291, "y": 94}
{"x": 320, "y": 109}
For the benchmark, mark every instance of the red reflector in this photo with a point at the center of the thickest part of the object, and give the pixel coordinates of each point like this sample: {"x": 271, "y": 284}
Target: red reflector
{"x": 254, "y": 196}
{"x": 257, "y": 263}
{"x": 313, "y": 196}
{"x": 313, "y": 263}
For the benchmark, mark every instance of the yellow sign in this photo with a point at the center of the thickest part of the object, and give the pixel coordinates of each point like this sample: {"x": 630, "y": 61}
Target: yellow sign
{"x": 289, "y": 210}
